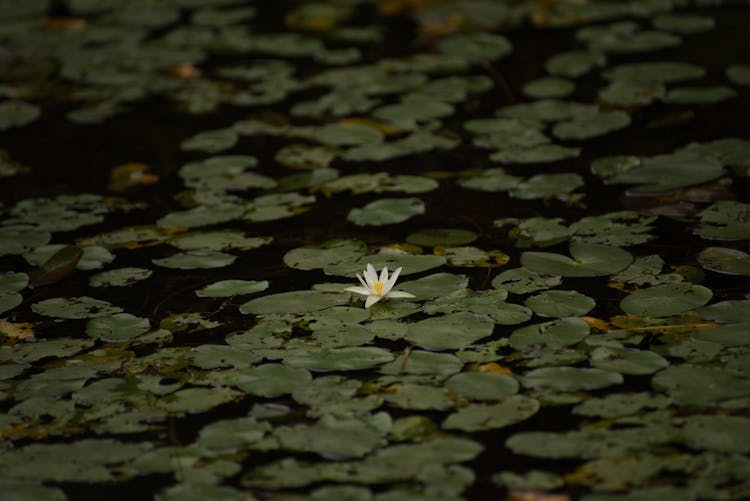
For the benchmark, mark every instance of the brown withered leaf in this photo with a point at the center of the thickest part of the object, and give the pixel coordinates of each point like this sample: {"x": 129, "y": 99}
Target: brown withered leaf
{"x": 128, "y": 175}
{"x": 16, "y": 332}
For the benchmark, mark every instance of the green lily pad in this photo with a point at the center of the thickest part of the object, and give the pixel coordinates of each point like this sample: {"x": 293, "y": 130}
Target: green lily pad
{"x": 196, "y": 260}
{"x": 494, "y": 179}
{"x": 683, "y": 23}
{"x": 718, "y": 433}
{"x": 701, "y": 386}
{"x": 424, "y": 363}
{"x": 523, "y": 281}
{"x": 217, "y": 241}
{"x": 667, "y": 299}
{"x": 725, "y": 260}
{"x": 625, "y": 361}
{"x": 593, "y": 125}
{"x": 554, "y": 334}
{"x": 533, "y": 480}
{"x": 476, "y": 417}
{"x": 441, "y": 236}
{"x": 338, "y": 359}
{"x": 449, "y": 332}
{"x": 627, "y": 93}
{"x": 663, "y": 72}
{"x": 547, "y": 186}
{"x": 294, "y": 302}
{"x": 543, "y": 153}
{"x": 560, "y": 304}
{"x": 220, "y": 165}
{"x": 699, "y": 95}
{"x": 621, "y": 404}
{"x": 570, "y": 379}
{"x": 328, "y": 253}
{"x": 476, "y": 46}
{"x": 739, "y": 74}
{"x": 410, "y": 263}
{"x": 228, "y": 288}
{"x": 574, "y": 64}
{"x": 482, "y": 385}
{"x": 546, "y": 110}
{"x": 589, "y": 260}
{"x": 347, "y": 134}
{"x": 266, "y": 380}
{"x": 733, "y": 311}
{"x": 386, "y": 211}
{"x": 435, "y": 285}
{"x": 116, "y": 328}
{"x": 211, "y": 141}
{"x": 9, "y": 300}
{"x": 201, "y": 216}
{"x": 17, "y": 114}
{"x": 549, "y": 87}
{"x": 736, "y": 334}
{"x": 13, "y": 281}
{"x": 75, "y": 307}
{"x": 120, "y": 277}
{"x": 724, "y": 220}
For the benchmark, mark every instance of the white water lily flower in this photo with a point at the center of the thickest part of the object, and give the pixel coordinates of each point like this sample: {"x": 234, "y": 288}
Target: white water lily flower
{"x": 377, "y": 288}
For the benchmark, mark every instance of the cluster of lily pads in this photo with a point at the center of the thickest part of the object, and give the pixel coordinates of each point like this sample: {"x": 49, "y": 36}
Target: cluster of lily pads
{"x": 170, "y": 350}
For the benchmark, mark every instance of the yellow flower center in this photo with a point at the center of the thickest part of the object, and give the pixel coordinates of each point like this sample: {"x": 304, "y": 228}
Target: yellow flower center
{"x": 378, "y": 288}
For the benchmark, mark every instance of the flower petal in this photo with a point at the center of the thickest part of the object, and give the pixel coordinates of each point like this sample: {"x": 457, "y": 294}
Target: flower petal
{"x": 383, "y": 275}
{"x": 372, "y": 299}
{"x": 361, "y": 280}
{"x": 371, "y": 276}
{"x": 394, "y": 277}
{"x": 403, "y": 294}
{"x": 358, "y": 290}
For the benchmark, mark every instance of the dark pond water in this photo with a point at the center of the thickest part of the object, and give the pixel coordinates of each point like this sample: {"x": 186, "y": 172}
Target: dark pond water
{"x": 189, "y": 187}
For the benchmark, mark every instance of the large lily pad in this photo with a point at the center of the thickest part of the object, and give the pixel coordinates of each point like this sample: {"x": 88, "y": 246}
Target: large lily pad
{"x": 449, "y": 332}
{"x": 667, "y": 299}
{"x": 588, "y": 260}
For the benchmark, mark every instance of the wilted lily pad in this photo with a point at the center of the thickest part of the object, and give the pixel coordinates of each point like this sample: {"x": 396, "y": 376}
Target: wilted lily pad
{"x": 725, "y": 260}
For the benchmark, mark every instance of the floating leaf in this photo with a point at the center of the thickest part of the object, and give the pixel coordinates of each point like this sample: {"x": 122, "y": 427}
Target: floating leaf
{"x": 330, "y": 359}
{"x": 475, "y": 417}
{"x": 17, "y": 114}
{"x": 119, "y": 277}
{"x": 694, "y": 385}
{"x": 592, "y": 125}
{"x": 482, "y": 385}
{"x": 294, "y": 302}
{"x": 570, "y": 379}
{"x": 116, "y": 328}
{"x": 386, "y": 211}
{"x": 196, "y": 260}
{"x": 441, "y": 236}
{"x": 328, "y": 253}
{"x": 75, "y": 307}
{"x": 228, "y": 288}
{"x": 555, "y": 334}
{"x": 449, "y": 332}
{"x": 667, "y": 299}
{"x": 725, "y": 260}
{"x": 523, "y": 281}
{"x": 560, "y": 304}
{"x": 589, "y": 260}
{"x": 629, "y": 362}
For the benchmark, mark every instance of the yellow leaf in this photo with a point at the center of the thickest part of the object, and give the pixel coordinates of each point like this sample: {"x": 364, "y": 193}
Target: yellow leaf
{"x": 597, "y": 323}
{"x": 128, "y": 175}
{"x": 16, "y": 332}
{"x": 490, "y": 367}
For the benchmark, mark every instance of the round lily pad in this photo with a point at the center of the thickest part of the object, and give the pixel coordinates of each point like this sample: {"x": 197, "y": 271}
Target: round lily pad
{"x": 294, "y": 302}
{"x": 478, "y": 46}
{"x": 75, "y": 307}
{"x": 345, "y": 134}
{"x": 482, "y": 385}
{"x": 338, "y": 359}
{"x": 695, "y": 385}
{"x": 667, "y": 299}
{"x": 119, "y": 277}
{"x": 560, "y": 304}
{"x": 441, "y": 236}
{"x": 736, "y": 334}
{"x": 554, "y": 334}
{"x": 328, "y": 253}
{"x": 592, "y": 125}
{"x": 523, "y": 281}
{"x": 228, "y": 288}
{"x": 549, "y": 87}
{"x": 588, "y": 260}
{"x": 17, "y": 114}
{"x": 624, "y": 361}
{"x": 410, "y": 264}
{"x": 118, "y": 327}
{"x": 386, "y": 211}
{"x": 449, "y": 332}
{"x": 725, "y": 260}
{"x": 570, "y": 379}
{"x": 196, "y": 260}
{"x": 476, "y": 417}
{"x": 9, "y": 300}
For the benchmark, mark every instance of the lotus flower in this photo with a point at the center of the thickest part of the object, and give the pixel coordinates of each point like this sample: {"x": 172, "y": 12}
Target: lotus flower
{"x": 377, "y": 288}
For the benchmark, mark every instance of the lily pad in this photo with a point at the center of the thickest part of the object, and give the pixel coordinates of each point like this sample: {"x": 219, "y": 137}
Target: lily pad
{"x": 560, "y": 304}
{"x": 120, "y": 277}
{"x": 667, "y": 299}
{"x": 554, "y": 334}
{"x": 570, "y": 379}
{"x": 228, "y": 288}
{"x": 116, "y": 328}
{"x": 593, "y": 125}
{"x": 74, "y": 308}
{"x": 725, "y": 260}
{"x": 701, "y": 386}
{"x": 196, "y": 260}
{"x": 475, "y": 417}
{"x": 629, "y": 362}
{"x": 328, "y": 253}
{"x": 449, "y": 332}
{"x": 588, "y": 260}
{"x": 338, "y": 359}
{"x": 441, "y": 236}
{"x": 294, "y": 302}
{"x": 386, "y": 211}
{"x": 482, "y": 385}
{"x": 523, "y": 281}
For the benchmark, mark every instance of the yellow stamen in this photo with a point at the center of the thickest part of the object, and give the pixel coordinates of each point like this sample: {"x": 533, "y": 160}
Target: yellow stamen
{"x": 378, "y": 288}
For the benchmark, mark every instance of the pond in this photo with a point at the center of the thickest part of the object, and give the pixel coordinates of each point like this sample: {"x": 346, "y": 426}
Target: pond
{"x": 377, "y": 250}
